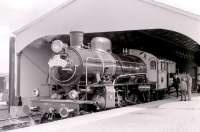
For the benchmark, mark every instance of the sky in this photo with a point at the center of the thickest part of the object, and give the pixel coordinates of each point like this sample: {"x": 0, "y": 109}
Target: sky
{"x": 16, "y": 13}
{"x": 192, "y": 6}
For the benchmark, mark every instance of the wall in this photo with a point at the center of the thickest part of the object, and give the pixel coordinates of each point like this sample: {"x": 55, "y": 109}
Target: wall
{"x": 34, "y": 70}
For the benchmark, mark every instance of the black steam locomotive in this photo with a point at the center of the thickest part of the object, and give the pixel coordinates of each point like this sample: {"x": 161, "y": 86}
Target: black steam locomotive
{"x": 90, "y": 78}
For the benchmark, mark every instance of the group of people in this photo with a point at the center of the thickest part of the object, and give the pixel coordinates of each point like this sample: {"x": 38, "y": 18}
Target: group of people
{"x": 183, "y": 82}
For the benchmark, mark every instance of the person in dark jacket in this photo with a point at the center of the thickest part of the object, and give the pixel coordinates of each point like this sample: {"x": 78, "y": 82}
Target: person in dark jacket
{"x": 176, "y": 82}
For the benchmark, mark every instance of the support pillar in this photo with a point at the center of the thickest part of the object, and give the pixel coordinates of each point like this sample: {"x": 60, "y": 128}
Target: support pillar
{"x": 19, "y": 100}
{"x": 12, "y": 72}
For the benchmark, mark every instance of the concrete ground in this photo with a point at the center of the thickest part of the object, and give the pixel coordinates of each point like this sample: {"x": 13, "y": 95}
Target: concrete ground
{"x": 169, "y": 115}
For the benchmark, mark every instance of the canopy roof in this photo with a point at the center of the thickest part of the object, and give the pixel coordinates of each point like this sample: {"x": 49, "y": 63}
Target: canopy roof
{"x": 102, "y": 16}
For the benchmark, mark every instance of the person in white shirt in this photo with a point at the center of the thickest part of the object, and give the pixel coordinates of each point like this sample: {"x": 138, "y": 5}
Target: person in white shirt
{"x": 183, "y": 88}
{"x": 189, "y": 86}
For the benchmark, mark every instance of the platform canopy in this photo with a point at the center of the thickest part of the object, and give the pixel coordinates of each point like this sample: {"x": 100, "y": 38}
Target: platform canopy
{"x": 109, "y": 15}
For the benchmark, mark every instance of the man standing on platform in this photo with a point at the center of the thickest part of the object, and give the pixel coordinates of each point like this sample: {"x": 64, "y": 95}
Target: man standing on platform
{"x": 176, "y": 82}
{"x": 183, "y": 88}
{"x": 189, "y": 86}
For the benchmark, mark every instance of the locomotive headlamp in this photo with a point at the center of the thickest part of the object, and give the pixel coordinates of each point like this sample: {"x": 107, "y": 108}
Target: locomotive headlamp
{"x": 57, "y": 46}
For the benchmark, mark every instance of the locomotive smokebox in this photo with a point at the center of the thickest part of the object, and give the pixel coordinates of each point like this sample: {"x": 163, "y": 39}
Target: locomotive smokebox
{"x": 76, "y": 39}
{"x": 101, "y": 44}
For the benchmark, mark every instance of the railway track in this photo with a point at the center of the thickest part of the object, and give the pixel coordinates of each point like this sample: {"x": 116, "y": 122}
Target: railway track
{"x": 9, "y": 123}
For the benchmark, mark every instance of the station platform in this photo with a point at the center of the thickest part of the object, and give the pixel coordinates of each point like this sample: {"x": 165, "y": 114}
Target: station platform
{"x": 168, "y": 115}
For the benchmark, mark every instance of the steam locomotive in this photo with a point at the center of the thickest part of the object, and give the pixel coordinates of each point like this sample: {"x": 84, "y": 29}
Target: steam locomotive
{"x": 90, "y": 78}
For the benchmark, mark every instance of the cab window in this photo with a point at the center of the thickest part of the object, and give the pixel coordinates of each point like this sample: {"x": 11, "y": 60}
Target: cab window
{"x": 164, "y": 66}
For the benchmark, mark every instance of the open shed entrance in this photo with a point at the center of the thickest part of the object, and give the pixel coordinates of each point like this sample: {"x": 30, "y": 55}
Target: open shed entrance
{"x": 162, "y": 43}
